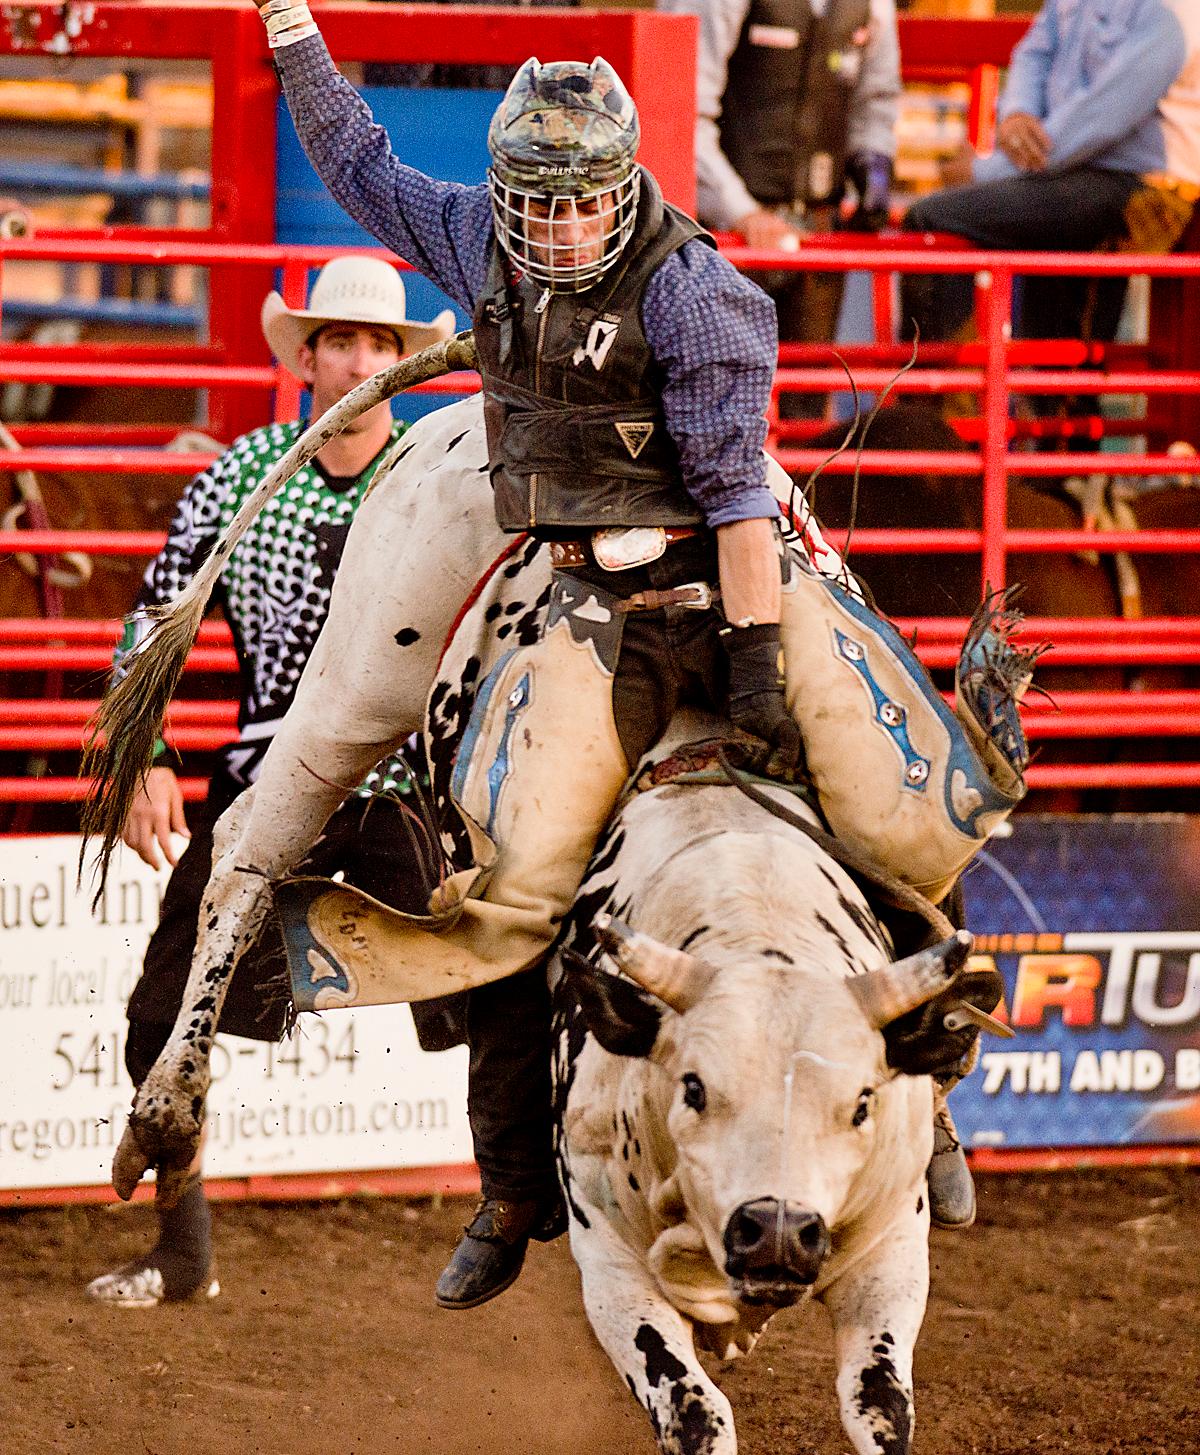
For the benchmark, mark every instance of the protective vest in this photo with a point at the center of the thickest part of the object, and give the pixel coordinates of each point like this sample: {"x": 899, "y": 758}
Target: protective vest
{"x": 572, "y": 393}
{"x": 786, "y": 107}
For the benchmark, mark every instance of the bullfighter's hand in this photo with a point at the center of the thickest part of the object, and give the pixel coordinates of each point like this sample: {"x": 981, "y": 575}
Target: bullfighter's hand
{"x": 156, "y": 814}
{"x": 1023, "y": 140}
{"x": 763, "y": 229}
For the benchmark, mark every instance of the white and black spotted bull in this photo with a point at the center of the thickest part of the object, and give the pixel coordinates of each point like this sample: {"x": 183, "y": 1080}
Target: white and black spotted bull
{"x": 421, "y": 542}
{"x": 732, "y": 1137}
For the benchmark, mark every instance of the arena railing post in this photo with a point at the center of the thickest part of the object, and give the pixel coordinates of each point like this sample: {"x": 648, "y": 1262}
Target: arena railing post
{"x": 997, "y": 336}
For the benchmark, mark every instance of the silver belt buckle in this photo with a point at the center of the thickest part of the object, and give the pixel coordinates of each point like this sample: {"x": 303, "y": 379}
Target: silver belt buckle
{"x": 705, "y": 596}
{"x": 621, "y": 547}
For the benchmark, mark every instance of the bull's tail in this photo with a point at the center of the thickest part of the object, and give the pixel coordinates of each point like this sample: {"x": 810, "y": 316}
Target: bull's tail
{"x": 120, "y": 743}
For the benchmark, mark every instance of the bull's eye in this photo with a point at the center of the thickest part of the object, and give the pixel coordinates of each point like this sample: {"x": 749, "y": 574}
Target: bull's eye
{"x": 694, "y": 1094}
{"x": 863, "y": 1108}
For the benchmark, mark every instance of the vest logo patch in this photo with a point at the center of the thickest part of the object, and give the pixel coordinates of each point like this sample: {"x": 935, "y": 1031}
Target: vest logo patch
{"x": 601, "y": 337}
{"x": 775, "y": 37}
{"x": 634, "y": 436}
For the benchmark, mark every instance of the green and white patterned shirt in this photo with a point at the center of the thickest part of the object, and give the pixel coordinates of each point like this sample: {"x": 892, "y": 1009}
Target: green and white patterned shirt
{"x": 275, "y": 589}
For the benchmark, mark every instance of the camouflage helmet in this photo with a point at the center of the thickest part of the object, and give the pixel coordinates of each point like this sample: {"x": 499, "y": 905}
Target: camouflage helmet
{"x": 566, "y": 132}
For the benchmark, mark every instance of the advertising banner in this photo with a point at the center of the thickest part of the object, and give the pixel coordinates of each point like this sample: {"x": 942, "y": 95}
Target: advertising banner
{"x": 348, "y": 1090}
{"x": 1094, "y": 923}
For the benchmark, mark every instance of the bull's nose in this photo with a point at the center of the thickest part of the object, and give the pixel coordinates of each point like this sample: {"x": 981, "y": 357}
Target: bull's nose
{"x": 771, "y": 1241}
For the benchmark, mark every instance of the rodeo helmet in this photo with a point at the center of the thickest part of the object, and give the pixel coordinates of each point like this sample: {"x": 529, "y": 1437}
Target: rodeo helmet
{"x": 566, "y": 133}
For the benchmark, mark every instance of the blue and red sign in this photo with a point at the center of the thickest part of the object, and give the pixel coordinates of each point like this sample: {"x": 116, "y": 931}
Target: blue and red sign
{"x": 1094, "y": 924}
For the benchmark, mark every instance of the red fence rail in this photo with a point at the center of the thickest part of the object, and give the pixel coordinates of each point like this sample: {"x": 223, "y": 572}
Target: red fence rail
{"x": 995, "y": 369}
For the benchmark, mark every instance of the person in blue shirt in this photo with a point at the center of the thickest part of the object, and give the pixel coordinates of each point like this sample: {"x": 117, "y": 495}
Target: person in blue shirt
{"x": 626, "y": 368}
{"x": 1098, "y": 145}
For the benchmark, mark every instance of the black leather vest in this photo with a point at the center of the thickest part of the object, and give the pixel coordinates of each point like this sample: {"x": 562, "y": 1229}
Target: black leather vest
{"x": 572, "y": 394}
{"x": 786, "y": 107}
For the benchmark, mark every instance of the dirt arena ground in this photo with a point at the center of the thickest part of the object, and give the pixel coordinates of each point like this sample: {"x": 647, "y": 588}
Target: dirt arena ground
{"x": 1065, "y": 1323}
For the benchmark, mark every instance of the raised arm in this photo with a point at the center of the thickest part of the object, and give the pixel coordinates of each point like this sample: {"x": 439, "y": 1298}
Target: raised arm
{"x": 441, "y": 228}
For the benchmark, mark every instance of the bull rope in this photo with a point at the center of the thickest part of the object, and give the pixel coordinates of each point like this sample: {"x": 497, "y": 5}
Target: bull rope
{"x": 119, "y": 748}
{"x": 896, "y": 893}
{"x": 900, "y": 896}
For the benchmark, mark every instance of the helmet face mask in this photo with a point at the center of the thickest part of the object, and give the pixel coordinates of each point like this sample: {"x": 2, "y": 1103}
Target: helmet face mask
{"x": 564, "y": 181}
{"x": 563, "y": 242}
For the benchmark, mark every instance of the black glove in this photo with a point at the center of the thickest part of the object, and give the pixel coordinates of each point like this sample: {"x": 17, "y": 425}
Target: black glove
{"x": 871, "y": 173}
{"x": 756, "y": 700}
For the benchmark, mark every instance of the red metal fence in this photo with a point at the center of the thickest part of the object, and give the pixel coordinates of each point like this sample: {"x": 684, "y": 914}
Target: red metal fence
{"x": 656, "y": 53}
{"x": 994, "y": 370}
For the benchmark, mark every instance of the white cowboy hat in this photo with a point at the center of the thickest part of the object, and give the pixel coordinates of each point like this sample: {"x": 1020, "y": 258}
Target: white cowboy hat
{"x": 352, "y": 289}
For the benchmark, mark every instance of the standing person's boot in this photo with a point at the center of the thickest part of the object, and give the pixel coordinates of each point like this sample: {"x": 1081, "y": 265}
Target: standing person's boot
{"x": 951, "y": 1186}
{"x": 492, "y": 1250}
{"x": 178, "y": 1267}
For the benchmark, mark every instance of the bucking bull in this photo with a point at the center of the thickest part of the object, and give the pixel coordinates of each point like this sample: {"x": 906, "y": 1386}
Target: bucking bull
{"x": 743, "y": 1119}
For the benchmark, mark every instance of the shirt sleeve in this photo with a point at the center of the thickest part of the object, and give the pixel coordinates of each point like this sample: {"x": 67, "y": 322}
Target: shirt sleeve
{"x": 442, "y": 228}
{"x": 722, "y": 198}
{"x": 714, "y": 334}
{"x": 1124, "y": 93}
{"x": 875, "y": 105}
{"x": 1029, "y": 67}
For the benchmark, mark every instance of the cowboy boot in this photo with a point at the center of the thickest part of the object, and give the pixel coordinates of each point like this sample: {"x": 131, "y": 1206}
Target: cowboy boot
{"x": 491, "y": 1252}
{"x": 948, "y": 1178}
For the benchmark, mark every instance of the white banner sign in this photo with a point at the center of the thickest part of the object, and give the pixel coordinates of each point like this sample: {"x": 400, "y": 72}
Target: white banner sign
{"x": 347, "y": 1090}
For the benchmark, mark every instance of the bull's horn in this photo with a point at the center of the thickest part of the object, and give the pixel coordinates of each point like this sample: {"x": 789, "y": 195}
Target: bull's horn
{"x": 677, "y": 978}
{"x": 892, "y": 990}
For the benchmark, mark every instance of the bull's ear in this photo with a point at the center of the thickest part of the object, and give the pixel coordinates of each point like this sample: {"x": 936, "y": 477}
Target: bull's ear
{"x": 622, "y": 1017}
{"x": 921, "y": 1044}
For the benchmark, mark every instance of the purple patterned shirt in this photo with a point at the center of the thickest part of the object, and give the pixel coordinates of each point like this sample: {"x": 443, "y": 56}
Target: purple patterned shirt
{"x": 712, "y": 331}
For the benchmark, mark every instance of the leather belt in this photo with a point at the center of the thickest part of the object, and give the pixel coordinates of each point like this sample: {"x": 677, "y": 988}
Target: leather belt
{"x": 564, "y": 554}
{"x": 693, "y": 596}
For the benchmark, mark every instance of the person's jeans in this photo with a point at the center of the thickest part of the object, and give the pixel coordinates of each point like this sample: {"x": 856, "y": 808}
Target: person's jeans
{"x": 1075, "y": 211}
{"x": 664, "y": 655}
